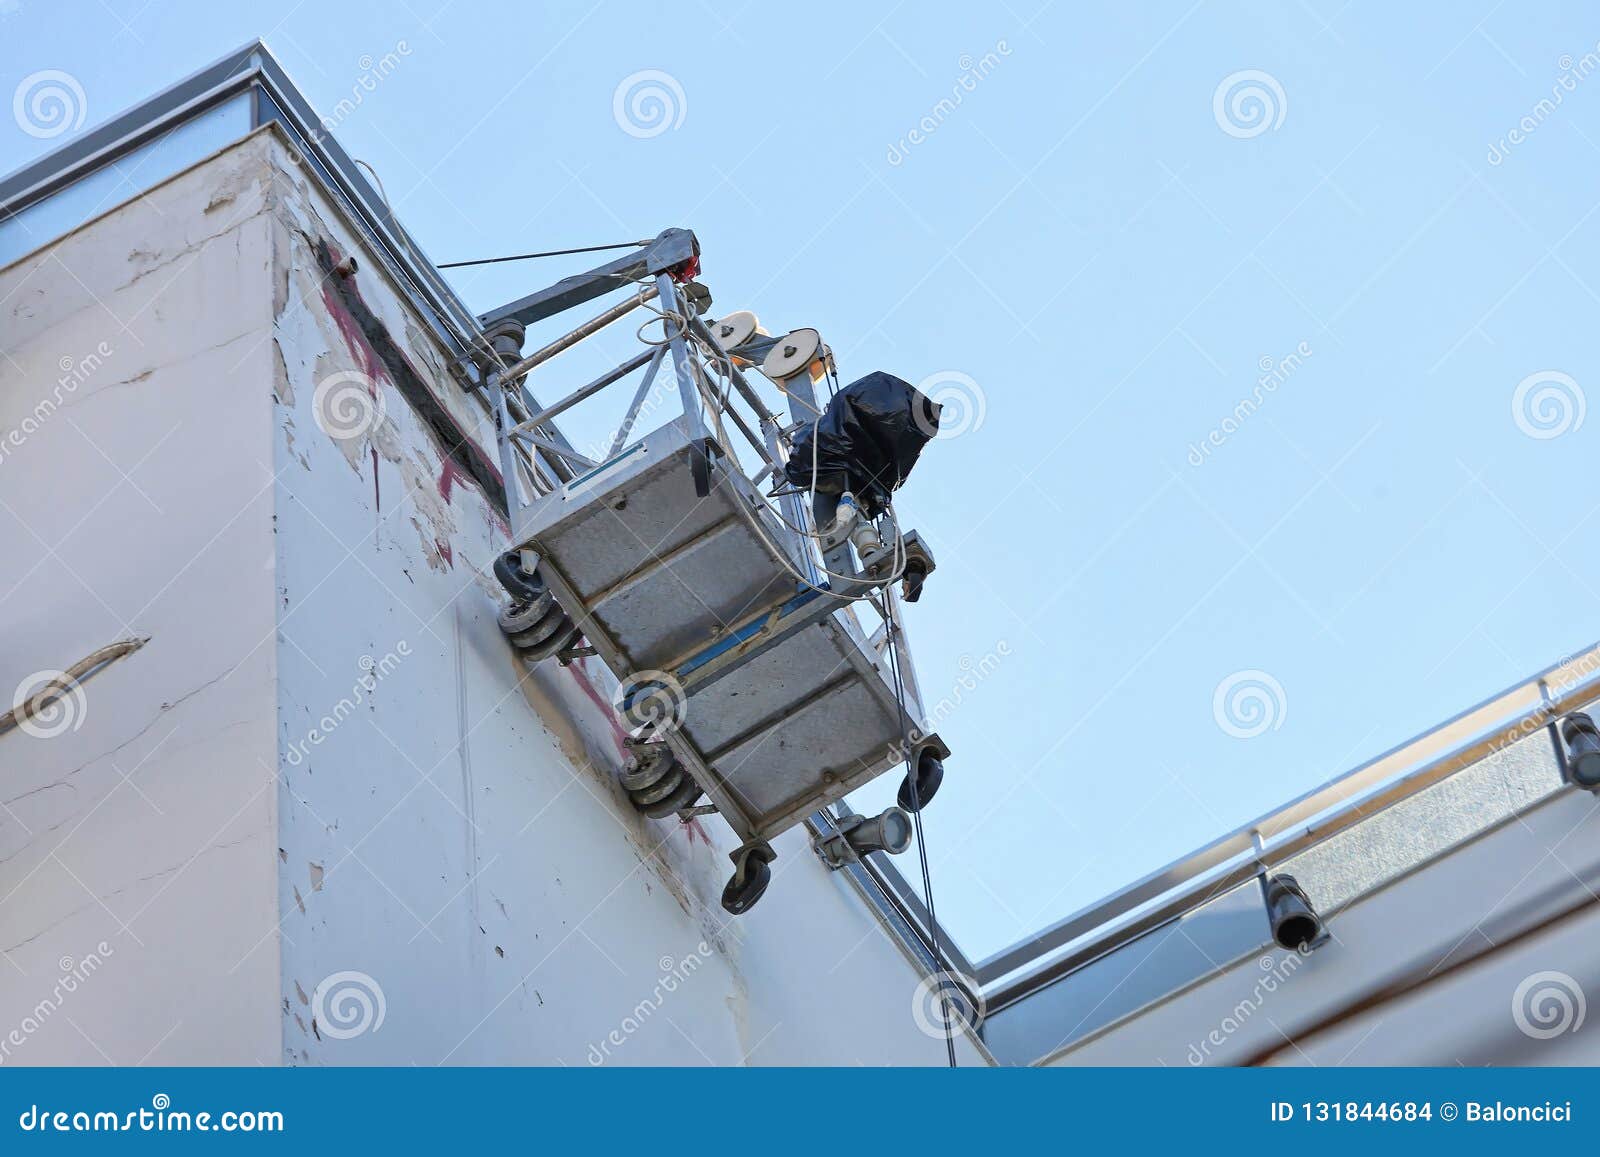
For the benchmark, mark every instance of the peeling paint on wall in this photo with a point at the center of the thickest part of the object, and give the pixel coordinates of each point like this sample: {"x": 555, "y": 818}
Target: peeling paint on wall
{"x": 468, "y": 773}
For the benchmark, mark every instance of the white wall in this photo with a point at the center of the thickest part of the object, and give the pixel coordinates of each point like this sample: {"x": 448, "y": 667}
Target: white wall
{"x": 455, "y": 836}
{"x": 476, "y": 858}
{"x": 136, "y": 846}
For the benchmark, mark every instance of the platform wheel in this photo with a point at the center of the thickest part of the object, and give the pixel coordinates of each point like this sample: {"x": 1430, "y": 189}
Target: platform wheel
{"x": 752, "y": 874}
{"x": 520, "y": 584}
{"x": 525, "y": 613}
{"x": 657, "y": 785}
{"x": 649, "y": 763}
{"x": 554, "y": 619}
{"x": 930, "y": 774}
{"x": 564, "y": 638}
{"x": 683, "y": 796}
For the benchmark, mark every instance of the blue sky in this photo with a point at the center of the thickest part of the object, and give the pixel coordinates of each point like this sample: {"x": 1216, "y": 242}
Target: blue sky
{"x": 1099, "y": 255}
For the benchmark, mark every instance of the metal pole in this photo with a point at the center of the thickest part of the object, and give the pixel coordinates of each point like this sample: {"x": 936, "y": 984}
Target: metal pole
{"x": 583, "y": 460}
{"x": 638, "y": 400}
{"x": 688, "y": 391}
{"x": 1336, "y": 806}
{"x": 897, "y": 639}
{"x": 799, "y": 387}
{"x": 748, "y": 392}
{"x": 583, "y": 392}
{"x": 508, "y": 456}
{"x": 587, "y": 329}
{"x": 744, "y": 427}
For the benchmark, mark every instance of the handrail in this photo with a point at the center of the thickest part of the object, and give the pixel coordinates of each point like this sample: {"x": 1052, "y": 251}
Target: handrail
{"x": 1183, "y": 885}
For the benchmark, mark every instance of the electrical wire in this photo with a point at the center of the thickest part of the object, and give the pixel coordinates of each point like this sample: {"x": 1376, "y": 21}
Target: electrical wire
{"x": 755, "y": 524}
{"x": 474, "y": 335}
{"x": 668, "y": 319}
{"x": 675, "y": 326}
{"x": 886, "y": 609}
{"x": 892, "y": 622}
{"x": 546, "y": 253}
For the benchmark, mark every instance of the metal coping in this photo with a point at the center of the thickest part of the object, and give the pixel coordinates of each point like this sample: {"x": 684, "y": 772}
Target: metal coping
{"x": 1158, "y": 898}
{"x": 1342, "y": 803}
{"x": 252, "y": 67}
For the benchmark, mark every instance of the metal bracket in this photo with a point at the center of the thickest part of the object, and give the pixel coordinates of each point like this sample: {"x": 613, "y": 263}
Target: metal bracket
{"x": 854, "y": 837}
{"x": 569, "y": 656}
{"x": 670, "y": 249}
{"x": 834, "y": 851}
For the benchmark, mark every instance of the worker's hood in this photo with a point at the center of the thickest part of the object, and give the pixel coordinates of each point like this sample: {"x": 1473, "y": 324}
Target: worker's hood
{"x": 867, "y": 439}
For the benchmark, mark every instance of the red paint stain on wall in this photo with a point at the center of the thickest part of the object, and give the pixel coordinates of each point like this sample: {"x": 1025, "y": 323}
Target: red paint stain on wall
{"x": 445, "y": 552}
{"x": 586, "y": 685}
{"x": 367, "y": 357}
{"x": 691, "y": 827}
{"x": 449, "y": 475}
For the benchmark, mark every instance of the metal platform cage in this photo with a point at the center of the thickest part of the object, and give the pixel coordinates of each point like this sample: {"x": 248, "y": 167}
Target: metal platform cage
{"x": 711, "y": 601}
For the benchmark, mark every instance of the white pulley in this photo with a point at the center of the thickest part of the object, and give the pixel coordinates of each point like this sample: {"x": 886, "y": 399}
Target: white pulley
{"x": 734, "y": 330}
{"x": 792, "y": 354}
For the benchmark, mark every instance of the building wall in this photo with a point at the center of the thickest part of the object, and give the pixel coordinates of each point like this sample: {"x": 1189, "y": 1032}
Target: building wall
{"x": 136, "y": 460}
{"x": 432, "y": 862}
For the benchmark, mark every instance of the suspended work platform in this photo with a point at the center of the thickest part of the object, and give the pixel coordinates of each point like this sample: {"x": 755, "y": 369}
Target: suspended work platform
{"x": 728, "y": 617}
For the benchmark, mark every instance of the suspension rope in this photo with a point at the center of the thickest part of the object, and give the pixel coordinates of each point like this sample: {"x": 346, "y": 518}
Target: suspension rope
{"x": 892, "y": 624}
{"x": 546, "y": 253}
